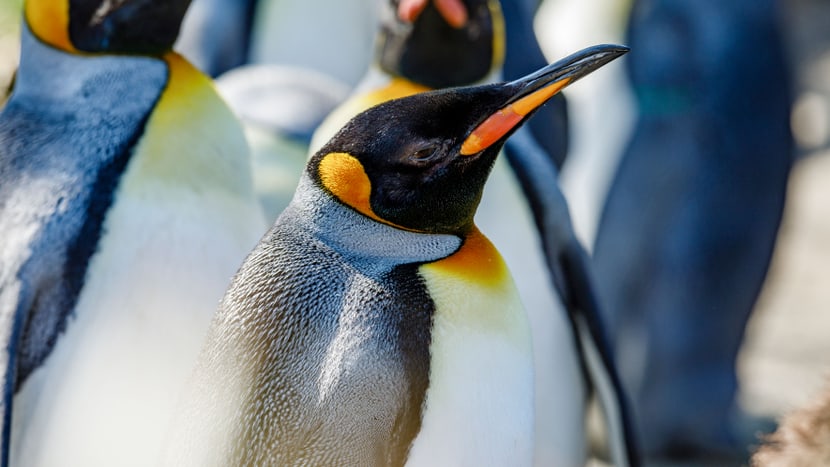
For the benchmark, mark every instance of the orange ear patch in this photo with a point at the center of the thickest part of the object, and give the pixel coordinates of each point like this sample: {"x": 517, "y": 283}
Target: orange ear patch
{"x": 49, "y": 22}
{"x": 504, "y": 120}
{"x": 343, "y": 175}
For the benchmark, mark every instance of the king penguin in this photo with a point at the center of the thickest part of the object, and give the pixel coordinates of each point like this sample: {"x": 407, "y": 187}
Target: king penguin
{"x": 375, "y": 324}
{"x": 425, "y": 44}
{"x": 125, "y": 208}
{"x": 690, "y": 222}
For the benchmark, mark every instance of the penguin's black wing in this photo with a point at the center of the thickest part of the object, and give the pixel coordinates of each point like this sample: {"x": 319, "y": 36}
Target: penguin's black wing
{"x": 61, "y": 158}
{"x": 569, "y": 267}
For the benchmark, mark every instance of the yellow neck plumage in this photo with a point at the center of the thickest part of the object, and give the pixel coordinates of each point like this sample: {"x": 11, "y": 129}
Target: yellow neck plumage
{"x": 49, "y": 22}
{"x": 192, "y": 138}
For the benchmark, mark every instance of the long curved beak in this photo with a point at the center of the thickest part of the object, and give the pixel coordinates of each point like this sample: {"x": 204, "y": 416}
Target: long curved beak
{"x": 534, "y": 90}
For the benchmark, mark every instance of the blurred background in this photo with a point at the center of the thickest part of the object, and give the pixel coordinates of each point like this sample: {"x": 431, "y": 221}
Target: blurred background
{"x": 785, "y": 357}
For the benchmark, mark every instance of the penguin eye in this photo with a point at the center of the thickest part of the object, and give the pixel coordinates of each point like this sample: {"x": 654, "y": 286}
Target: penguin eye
{"x": 424, "y": 155}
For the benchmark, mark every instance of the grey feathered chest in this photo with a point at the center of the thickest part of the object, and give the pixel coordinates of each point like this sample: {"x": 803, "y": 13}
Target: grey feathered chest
{"x": 331, "y": 321}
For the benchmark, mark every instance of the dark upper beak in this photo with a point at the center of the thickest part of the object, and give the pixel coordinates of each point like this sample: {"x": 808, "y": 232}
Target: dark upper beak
{"x": 533, "y": 90}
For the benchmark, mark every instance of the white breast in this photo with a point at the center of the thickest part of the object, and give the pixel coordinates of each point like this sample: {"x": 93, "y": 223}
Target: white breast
{"x": 182, "y": 220}
{"x": 479, "y": 405}
{"x": 505, "y": 218}
{"x": 104, "y": 395}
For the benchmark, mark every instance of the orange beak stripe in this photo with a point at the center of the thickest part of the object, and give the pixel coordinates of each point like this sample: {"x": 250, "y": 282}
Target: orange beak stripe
{"x": 504, "y": 120}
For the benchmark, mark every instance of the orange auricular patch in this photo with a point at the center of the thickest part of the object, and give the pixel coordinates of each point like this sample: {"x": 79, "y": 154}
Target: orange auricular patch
{"x": 477, "y": 260}
{"x": 49, "y": 22}
{"x": 343, "y": 175}
{"x": 498, "y": 124}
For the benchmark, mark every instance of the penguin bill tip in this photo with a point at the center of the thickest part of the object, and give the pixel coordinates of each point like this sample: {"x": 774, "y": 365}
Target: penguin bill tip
{"x": 535, "y": 90}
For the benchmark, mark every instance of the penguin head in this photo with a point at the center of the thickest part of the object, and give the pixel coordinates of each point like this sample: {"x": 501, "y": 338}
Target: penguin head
{"x": 145, "y": 27}
{"x": 420, "y": 162}
{"x": 441, "y": 43}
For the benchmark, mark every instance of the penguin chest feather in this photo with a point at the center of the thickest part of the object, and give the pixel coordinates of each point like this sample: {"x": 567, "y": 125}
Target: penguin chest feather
{"x": 174, "y": 235}
{"x": 479, "y": 405}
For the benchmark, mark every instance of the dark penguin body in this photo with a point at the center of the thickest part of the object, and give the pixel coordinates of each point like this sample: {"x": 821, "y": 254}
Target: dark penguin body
{"x": 523, "y": 54}
{"x": 106, "y": 208}
{"x": 691, "y": 218}
{"x": 374, "y": 324}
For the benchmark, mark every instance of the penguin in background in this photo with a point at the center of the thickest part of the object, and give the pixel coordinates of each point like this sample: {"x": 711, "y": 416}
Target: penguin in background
{"x": 425, "y": 44}
{"x": 216, "y": 34}
{"x": 375, "y": 324}
{"x": 280, "y": 103}
{"x": 332, "y": 37}
{"x": 279, "y": 106}
{"x": 125, "y": 207}
{"x": 523, "y": 54}
{"x": 690, "y": 221}
{"x": 802, "y": 439}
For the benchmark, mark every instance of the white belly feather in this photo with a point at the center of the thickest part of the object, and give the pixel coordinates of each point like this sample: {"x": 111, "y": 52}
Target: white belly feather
{"x": 560, "y": 389}
{"x": 104, "y": 395}
{"x": 479, "y": 405}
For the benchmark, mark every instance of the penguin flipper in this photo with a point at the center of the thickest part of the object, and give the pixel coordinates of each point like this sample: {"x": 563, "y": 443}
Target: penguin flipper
{"x": 39, "y": 283}
{"x": 549, "y": 125}
{"x": 32, "y": 312}
{"x": 584, "y": 312}
{"x": 7, "y": 369}
{"x": 569, "y": 267}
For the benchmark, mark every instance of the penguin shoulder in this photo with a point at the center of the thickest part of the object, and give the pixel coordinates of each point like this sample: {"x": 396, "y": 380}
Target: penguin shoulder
{"x": 191, "y": 140}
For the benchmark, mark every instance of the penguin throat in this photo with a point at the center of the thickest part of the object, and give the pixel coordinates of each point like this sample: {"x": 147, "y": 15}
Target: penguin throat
{"x": 360, "y": 238}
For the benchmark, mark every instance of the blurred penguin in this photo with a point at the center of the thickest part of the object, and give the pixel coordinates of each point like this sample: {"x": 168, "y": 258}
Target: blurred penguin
{"x": 333, "y": 37}
{"x": 216, "y": 34}
{"x": 690, "y": 221}
{"x": 280, "y": 102}
{"x": 125, "y": 207}
{"x": 523, "y": 54}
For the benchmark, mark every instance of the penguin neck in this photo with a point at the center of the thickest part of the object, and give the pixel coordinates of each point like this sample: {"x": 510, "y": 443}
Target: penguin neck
{"x": 192, "y": 139}
{"x": 365, "y": 242}
{"x": 49, "y": 74}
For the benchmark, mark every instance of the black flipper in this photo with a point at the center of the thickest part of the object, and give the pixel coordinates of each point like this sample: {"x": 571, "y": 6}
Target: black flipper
{"x": 523, "y": 55}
